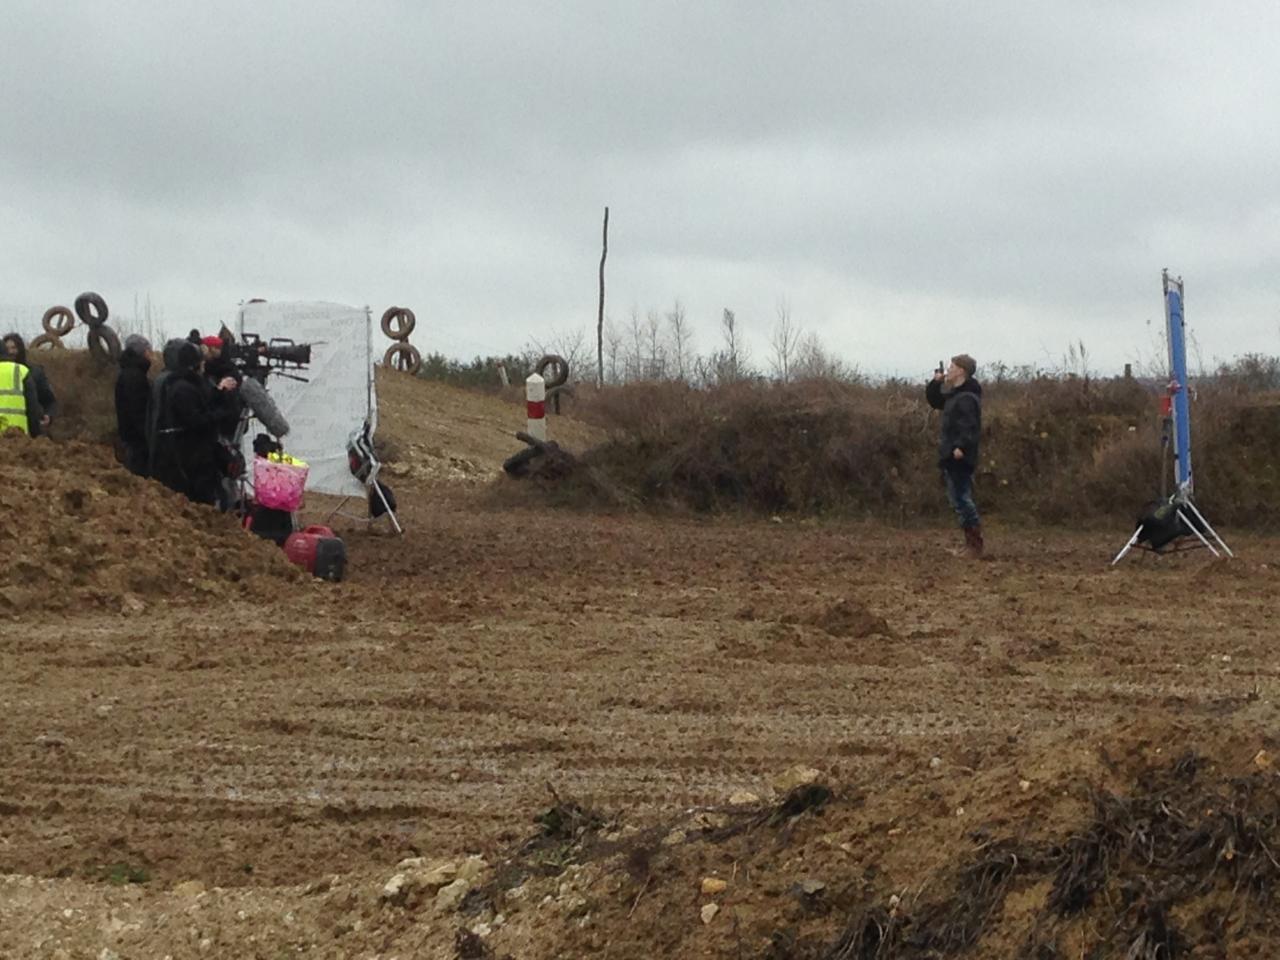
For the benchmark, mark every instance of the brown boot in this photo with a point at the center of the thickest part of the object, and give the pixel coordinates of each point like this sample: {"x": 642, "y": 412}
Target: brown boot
{"x": 973, "y": 542}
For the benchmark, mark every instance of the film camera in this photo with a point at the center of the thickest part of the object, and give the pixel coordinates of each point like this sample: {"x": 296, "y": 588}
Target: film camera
{"x": 258, "y": 358}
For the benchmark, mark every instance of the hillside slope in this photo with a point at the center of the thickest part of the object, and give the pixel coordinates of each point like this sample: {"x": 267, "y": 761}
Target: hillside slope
{"x": 433, "y": 432}
{"x": 429, "y": 432}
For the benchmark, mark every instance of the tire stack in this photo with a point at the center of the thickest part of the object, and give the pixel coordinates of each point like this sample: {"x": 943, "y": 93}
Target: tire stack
{"x": 397, "y": 324}
{"x": 57, "y": 323}
{"x": 104, "y": 342}
{"x": 557, "y": 379}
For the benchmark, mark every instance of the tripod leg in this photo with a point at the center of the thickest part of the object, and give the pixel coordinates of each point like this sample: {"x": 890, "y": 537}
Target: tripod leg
{"x": 1205, "y": 523}
{"x": 1200, "y": 536}
{"x": 372, "y": 483}
{"x": 1127, "y": 547}
{"x": 336, "y": 510}
{"x": 391, "y": 514}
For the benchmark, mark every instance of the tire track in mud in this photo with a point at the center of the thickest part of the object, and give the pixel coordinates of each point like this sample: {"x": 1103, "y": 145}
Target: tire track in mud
{"x": 642, "y": 663}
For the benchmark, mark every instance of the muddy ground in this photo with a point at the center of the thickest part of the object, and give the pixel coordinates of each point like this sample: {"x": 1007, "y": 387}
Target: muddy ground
{"x": 641, "y": 665}
{"x": 241, "y": 775}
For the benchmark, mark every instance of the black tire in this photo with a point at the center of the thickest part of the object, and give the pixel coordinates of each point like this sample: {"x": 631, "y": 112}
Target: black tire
{"x": 65, "y": 321}
{"x": 398, "y": 323}
{"x": 47, "y": 341}
{"x": 555, "y": 393}
{"x": 517, "y": 465}
{"x": 92, "y": 309}
{"x": 561, "y": 375}
{"x": 403, "y": 357}
{"x": 104, "y": 343}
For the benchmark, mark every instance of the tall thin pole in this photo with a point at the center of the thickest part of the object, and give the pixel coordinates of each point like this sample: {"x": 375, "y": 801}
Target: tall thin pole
{"x": 604, "y": 252}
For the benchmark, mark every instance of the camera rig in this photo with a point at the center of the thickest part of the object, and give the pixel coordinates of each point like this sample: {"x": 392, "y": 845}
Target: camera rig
{"x": 258, "y": 359}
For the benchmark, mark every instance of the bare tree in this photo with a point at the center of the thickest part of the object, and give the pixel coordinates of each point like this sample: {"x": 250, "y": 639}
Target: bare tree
{"x": 612, "y": 351}
{"x": 571, "y": 345}
{"x": 635, "y": 349}
{"x": 656, "y": 360}
{"x": 731, "y": 362}
{"x": 813, "y": 361}
{"x": 681, "y": 336}
{"x": 785, "y": 339}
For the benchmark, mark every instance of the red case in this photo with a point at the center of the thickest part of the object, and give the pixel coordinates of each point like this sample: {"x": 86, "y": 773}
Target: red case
{"x": 317, "y": 551}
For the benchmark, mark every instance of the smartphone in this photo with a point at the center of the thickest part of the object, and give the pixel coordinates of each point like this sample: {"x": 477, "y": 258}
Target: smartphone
{"x": 941, "y": 368}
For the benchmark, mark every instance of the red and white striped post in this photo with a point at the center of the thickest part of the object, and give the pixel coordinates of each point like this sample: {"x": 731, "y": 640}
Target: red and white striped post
{"x": 535, "y": 395}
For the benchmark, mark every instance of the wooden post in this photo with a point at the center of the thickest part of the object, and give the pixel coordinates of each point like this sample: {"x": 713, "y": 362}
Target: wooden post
{"x": 604, "y": 252}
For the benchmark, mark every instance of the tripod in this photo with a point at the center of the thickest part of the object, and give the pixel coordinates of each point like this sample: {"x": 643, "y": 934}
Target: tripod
{"x": 1183, "y": 509}
{"x": 1178, "y": 517}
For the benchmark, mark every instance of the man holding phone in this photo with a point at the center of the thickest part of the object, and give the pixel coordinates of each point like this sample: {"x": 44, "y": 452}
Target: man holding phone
{"x": 959, "y": 396}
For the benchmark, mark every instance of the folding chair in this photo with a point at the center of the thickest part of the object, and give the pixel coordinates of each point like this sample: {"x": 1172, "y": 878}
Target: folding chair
{"x": 365, "y": 467}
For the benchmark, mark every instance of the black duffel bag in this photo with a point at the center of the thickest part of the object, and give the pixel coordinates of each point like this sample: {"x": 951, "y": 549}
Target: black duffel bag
{"x": 1161, "y": 525}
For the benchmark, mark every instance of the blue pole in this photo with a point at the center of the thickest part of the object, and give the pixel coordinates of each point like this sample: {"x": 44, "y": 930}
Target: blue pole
{"x": 1178, "y": 385}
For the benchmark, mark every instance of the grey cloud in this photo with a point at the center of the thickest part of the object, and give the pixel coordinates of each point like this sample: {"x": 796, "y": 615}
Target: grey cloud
{"x": 1035, "y": 163}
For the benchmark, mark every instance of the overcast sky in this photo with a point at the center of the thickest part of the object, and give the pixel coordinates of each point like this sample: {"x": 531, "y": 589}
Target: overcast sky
{"x": 912, "y": 179}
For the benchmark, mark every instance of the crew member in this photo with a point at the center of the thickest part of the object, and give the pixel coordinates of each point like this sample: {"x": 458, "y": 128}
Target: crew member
{"x": 19, "y": 403}
{"x": 133, "y": 396}
{"x": 186, "y": 454}
{"x": 15, "y": 348}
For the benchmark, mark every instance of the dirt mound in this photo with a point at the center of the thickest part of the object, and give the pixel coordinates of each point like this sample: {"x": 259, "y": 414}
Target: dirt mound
{"x": 824, "y": 629}
{"x": 85, "y": 388}
{"x": 1149, "y": 844}
{"x": 848, "y": 618}
{"x": 83, "y": 532}
{"x": 1152, "y": 842}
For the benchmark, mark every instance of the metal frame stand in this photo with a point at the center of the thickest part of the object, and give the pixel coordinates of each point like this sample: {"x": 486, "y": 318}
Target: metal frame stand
{"x": 1183, "y": 502}
{"x": 365, "y": 449}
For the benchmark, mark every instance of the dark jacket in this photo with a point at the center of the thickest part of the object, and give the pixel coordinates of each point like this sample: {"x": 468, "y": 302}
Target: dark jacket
{"x": 39, "y": 381}
{"x": 961, "y": 422}
{"x": 133, "y": 397}
{"x": 228, "y": 403}
{"x": 185, "y": 453}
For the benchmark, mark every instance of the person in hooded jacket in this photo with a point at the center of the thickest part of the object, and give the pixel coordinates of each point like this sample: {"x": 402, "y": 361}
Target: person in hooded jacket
{"x": 185, "y": 454}
{"x": 19, "y": 407}
{"x": 959, "y": 396}
{"x": 218, "y": 367}
{"x": 15, "y": 349}
{"x": 133, "y": 398}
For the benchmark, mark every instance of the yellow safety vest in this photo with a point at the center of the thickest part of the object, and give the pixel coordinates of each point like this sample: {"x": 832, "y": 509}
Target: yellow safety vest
{"x": 13, "y": 398}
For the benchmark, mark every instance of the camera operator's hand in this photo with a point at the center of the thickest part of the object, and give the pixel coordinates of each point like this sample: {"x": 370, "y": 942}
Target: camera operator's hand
{"x": 227, "y": 383}
{"x": 939, "y": 376}
{"x": 957, "y": 454}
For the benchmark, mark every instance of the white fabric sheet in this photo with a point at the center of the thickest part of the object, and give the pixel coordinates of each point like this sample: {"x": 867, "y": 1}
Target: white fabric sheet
{"x": 338, "y": 394}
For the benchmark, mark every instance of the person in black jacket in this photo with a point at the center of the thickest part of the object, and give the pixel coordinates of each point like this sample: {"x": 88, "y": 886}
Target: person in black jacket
{"x": 133, "y": 396}
{"x": 15, "y": 349}
{"x": 218, "y": 367}
{"x": 959, "y": 396}
{"x": 185, "y": 454}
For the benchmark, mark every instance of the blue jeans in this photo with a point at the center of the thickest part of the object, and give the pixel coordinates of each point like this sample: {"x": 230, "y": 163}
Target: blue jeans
{"x": 960, "y": 493}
